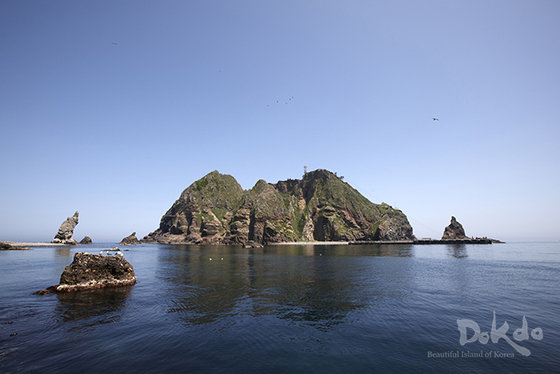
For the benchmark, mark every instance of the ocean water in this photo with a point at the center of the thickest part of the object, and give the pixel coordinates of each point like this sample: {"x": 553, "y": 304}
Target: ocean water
{"x": 278, "y": 309}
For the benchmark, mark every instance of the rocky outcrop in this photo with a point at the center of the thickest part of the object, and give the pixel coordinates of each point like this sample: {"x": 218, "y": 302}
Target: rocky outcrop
{"x": 66, "y": 231}
{"x": 321, "y": 206}
{"x": 130, "y": 240}
{"x": 6, "y": 246}
{"x": 86, "y": 240}
{"x": 10, "y": 247}
{"x": 89, "y": 271}
{"x": 13, "y": 247}
{"x": 454, "y": 231}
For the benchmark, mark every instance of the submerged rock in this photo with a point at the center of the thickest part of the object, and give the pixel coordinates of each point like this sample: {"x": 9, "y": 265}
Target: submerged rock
{"x": 89, "y": 271}
{"x": 130, "y": 240}
{"x": 86, "y": 240}
{"x": 454, "y": 230}
{"x": 66, "y": 231}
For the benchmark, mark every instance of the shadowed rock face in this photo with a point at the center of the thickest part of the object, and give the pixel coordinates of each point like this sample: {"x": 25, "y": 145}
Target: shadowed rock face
{"x": 86, "y": 240}
{"x": 454, "y": 230}
{"x": 66, "y": 231}
{"x": 5, "y": 246}
{"x": 89, "y": 271}
{"x": 130, "y": 240}
{"x": 321, "y": 206}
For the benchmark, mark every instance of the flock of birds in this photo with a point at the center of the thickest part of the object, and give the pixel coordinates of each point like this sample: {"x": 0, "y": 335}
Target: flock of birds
{"x": 291, "y": 98}
{"x": 278, "y": 101}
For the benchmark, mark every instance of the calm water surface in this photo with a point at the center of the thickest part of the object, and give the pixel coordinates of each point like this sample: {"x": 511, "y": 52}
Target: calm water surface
{"x": 308, "y": 309}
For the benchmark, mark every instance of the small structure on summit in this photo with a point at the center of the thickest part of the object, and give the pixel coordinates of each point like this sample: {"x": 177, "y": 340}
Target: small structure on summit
{"x": 66, "y": 231}
{"x": 454, "y": 231}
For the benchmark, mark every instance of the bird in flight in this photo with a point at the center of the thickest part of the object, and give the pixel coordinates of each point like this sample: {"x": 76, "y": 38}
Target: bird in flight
{"x": 435, "y": 119}
{"x": 115, "y": 44}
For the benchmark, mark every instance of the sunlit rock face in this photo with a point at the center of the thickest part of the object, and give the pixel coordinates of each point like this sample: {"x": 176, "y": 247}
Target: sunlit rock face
{"x": 66, "y": 231}
{"x": 320, "y": 206}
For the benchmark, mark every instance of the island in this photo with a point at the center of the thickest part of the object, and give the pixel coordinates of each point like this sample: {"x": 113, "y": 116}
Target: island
{"x": 319, "y": 207}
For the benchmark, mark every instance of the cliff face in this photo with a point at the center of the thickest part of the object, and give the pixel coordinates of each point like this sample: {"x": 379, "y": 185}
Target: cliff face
{"x": 216, "y": 210}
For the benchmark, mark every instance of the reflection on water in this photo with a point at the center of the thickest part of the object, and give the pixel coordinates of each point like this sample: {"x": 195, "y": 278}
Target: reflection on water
{"x": 457, "y": 250}
{"x": 65, "y": 251}
{"x": 94, "y": 307}
{"x": 311, "y": 309}
{"x": 310, "y": 284}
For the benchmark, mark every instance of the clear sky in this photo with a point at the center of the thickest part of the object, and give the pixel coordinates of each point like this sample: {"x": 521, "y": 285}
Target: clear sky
{"x": 112, "y": 108}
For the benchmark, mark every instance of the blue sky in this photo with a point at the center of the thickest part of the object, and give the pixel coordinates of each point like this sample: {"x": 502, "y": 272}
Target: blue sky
{"x": 113, "y": 108}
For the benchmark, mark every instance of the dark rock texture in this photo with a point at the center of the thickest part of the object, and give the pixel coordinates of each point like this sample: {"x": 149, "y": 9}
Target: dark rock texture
{"x": 66, "y": 231}
{"x": 321, "y": 206}
{"x": 86, "y": 240}
{"x": 130, "y": 240}
{"x": 5, "y": 246}
{"x": 9, "y": 247}
{"x": 89, "y": 271}
{"x": 454, "y": 231}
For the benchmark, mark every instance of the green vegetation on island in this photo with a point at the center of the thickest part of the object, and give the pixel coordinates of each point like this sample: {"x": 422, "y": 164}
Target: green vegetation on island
{"x": 321, "y": 206}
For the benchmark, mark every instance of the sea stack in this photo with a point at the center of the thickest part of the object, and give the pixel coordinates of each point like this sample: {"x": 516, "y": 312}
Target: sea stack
{"x": 66, "y": 231}
{"x": 454, "y": 231}
{"x": 130, "y": 240}
{"x": 86, "y": 240}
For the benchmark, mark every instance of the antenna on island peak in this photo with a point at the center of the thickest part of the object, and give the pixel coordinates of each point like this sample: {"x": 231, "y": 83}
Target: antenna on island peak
{"x": 304, "y": 169}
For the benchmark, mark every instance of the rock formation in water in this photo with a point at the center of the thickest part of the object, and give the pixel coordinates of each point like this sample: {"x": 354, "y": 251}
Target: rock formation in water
{"x": 89, "y": 271}
{"x": 454, "y": 231}
{"x": 86, "y": 240}
{"x": 321, "y": 206}
{"x": 5, "y": 246}
{"x": 10, "y": 247}
{"x": 66, "y": 231}
{"x": 130, "y": 240}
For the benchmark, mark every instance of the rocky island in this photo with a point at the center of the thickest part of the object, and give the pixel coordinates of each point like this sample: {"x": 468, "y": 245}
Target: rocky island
{"x": 454, "y": 231}
{"x": 66, "y": 231}
{"x": 130, "y": 240}
{"x": 318, "y": 207}
{"x": 88, "y": 271}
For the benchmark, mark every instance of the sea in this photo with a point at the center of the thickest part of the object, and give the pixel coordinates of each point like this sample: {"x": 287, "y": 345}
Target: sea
{"x": 289, "y": 309}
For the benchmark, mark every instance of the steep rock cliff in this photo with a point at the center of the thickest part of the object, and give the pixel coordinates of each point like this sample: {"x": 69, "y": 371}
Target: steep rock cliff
{"x": 321, "y": 206}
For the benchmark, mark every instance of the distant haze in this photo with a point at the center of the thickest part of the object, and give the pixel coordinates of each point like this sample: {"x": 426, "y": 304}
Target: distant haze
{"x": 113, "y": 108}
